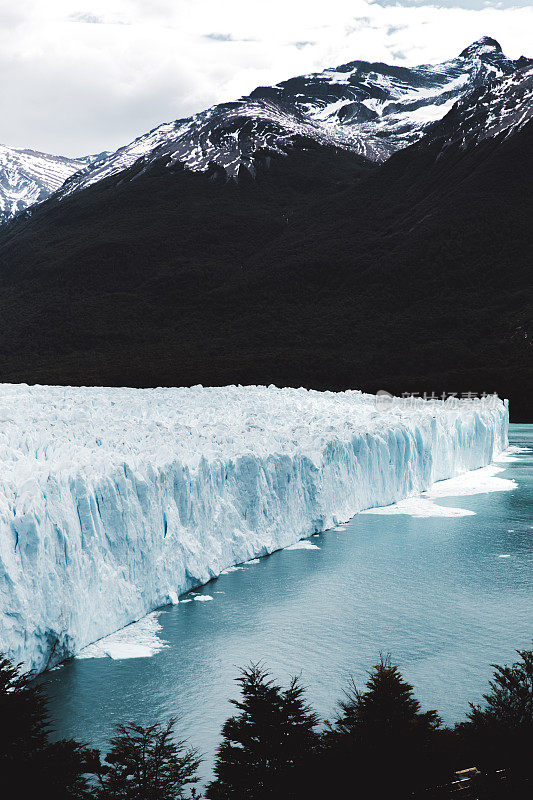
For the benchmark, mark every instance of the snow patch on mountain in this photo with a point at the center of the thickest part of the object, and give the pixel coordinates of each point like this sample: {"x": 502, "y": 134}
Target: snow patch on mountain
{"x": 113, "y": 502}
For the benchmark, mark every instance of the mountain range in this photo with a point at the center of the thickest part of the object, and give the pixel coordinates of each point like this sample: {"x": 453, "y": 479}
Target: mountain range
{"x": 368, "y": 108}
{"x": 365, "y": 226}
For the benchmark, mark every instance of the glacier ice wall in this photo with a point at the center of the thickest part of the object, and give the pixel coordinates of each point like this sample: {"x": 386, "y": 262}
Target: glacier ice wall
{"x": 115, "y": 501}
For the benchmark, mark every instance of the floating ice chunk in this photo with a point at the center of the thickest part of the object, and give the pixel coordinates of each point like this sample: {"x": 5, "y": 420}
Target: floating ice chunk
{"x": 202, "y": 598}
{"x": 253, "y": 561}
{"x": 478, "y": 481}
{"x": 510, "y": 454}
{"x": 138, "y": 640}
{"x": 305, "y": 544}
{"x": 505, "y": 555}
{"x": 420, "y": 507}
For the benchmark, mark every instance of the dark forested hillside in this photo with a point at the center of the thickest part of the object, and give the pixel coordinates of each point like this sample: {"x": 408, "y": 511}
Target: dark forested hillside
{"x": 326, "y": 271}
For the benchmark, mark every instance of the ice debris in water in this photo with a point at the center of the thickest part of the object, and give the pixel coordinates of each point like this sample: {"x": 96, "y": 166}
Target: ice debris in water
{"x": 138, "y": 640}
{"x": 305, "y": 544}
{"x": 479, "y": 481}
{"x": 115, "y": 501}
{"x": 420, "y": 507}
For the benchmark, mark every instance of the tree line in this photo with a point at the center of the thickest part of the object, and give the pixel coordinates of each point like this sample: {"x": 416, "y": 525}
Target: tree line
{"x": 379, "y": 744}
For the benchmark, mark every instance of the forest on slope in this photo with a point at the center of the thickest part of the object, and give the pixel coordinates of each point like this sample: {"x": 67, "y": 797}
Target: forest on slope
{"x": 325, "y": 271}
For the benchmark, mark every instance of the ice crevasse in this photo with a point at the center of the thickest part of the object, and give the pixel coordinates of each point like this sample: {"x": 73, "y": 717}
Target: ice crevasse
{"x": 114, "y": 501}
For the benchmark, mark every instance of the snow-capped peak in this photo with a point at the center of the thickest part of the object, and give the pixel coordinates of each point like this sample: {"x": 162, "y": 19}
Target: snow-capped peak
{"x": 484, "y": 46}
{"x": 28, "y": 176}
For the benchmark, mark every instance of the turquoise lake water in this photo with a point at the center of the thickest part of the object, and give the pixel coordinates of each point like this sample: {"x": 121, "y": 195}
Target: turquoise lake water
{"x": 445, "y": 596}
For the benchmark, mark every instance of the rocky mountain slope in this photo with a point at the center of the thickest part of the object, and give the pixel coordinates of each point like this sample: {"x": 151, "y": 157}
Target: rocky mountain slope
{"x": 496, "y": 109}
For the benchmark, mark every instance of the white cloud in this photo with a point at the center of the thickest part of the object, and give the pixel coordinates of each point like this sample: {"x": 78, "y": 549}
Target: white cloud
{"x": 82, "y": 77}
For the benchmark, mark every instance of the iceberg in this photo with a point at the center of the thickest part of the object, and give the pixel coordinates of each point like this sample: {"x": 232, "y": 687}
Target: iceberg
{"x": 115, "y": 501}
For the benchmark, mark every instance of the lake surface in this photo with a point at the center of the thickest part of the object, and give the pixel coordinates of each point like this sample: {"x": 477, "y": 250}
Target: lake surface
{"x": 445, "y": 596}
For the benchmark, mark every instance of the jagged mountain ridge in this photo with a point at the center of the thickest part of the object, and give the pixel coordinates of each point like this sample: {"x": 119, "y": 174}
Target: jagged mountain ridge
{"x": 29, "y": 176}
{"x": 371, "y": 109}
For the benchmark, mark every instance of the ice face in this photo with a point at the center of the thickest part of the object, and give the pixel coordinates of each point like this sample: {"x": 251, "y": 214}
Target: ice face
{"x": 115, "y": 501}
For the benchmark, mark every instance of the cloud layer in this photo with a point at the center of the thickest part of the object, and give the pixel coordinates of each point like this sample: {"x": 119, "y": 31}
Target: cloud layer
{"x": 80, "y": 78}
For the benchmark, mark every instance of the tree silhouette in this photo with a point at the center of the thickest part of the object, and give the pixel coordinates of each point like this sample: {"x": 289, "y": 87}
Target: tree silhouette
{"x": 147, "y": 763}
{"x": 382, "y": 732}
{"x": 388, "y": 704}
{"x": 28, "y": 760}
{"x": 509, "y": 704}
{"x": 268, "y": 745}
{"x": 499, "y": 733}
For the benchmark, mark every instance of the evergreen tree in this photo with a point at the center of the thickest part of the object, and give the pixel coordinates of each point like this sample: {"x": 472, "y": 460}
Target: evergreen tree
{"x": 147, "y": 764}
{"x": 387, "y": 705}
{"x": 268, "y": 746}
{"x": 499, "y": 733}
{"x": 382, "y": 731}
{"x": 509, "y": 704}
{"x": 28, "y": 760}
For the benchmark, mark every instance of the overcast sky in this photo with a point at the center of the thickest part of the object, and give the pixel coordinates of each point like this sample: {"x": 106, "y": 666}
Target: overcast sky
{"x": 81, "y": 76}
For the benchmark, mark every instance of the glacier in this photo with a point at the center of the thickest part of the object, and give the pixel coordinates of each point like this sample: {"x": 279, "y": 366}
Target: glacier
{"x": 114, "y": 501}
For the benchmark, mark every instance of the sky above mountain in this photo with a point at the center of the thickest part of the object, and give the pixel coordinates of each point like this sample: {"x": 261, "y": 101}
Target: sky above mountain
{"x": 82, "y": 76}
